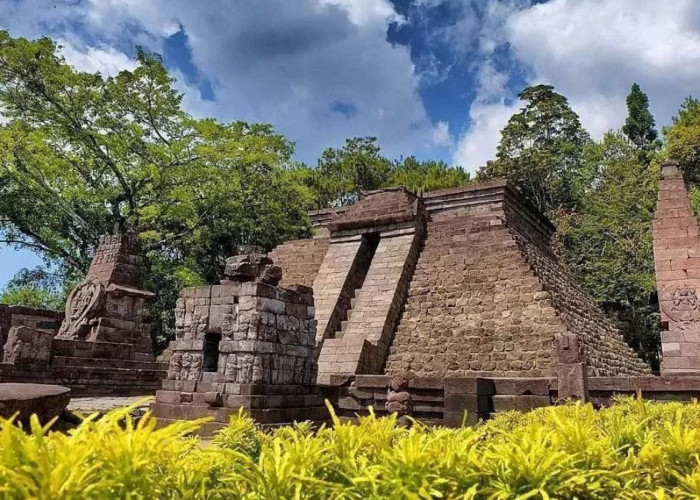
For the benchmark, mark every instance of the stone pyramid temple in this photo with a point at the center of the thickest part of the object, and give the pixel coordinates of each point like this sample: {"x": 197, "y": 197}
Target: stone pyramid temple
{"x": 453, "y": 283}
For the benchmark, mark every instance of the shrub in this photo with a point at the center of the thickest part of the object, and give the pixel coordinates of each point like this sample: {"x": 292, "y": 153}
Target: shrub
{"x": 633, "y": 449}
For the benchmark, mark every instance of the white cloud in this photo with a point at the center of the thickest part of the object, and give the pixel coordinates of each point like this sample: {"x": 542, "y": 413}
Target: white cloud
{"x": 108, "y": 62}
{"x": 593, "y": 51}
{"x": 367, "y": 11}
{"x": 441, "y": 134}
{"x": 319, "y": 70}
{"x": 478, "y": 144}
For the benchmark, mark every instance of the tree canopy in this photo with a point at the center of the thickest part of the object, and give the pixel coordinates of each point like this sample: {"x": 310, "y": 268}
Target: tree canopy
{"x": 540, "y": 150}
{"x": 607, "y": 243}
{"x": 342, "y": 174}
{"x": 95, "y": 155}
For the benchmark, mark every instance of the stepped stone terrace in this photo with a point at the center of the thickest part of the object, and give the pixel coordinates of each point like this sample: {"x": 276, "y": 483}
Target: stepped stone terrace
{"x": 452, "y": 283}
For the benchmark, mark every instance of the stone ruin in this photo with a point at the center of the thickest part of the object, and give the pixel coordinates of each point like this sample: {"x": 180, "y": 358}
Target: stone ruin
{"x": 451, "y": 283}
{"x": 423, "y": 304}
{"x": 102, "y": 344}
{"x": 246, "y": 342}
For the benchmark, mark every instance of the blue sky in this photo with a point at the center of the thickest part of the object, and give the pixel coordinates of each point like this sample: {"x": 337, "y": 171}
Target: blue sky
{"x": 432, "y": 78}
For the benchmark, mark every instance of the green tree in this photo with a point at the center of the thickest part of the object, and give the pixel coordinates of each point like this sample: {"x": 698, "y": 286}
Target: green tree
{"x": 426, "y": 175}
{"x": 607, "y": 244}
{"x": 343, "y": 173}
{"x": 639, "y": 125}
{"x": 97, "y": 154}
{"x": 682, "y": 139}
{"x": 37, "y": 287}
{"x": 541, "y": 151}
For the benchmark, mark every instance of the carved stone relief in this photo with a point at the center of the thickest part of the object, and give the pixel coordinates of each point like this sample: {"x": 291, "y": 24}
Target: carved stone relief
{"x": 679, "y": 301}
{"x": 84, "y": 304}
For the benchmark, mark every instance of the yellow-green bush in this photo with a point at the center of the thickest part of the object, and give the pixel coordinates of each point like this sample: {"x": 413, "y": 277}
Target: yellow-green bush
{"x": 634, "y": 449}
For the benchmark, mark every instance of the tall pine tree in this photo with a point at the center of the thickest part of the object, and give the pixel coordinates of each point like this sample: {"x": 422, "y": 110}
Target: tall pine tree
{"x": 639, "y": 125}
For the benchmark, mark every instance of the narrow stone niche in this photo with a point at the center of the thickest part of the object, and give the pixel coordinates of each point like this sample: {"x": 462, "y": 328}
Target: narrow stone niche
{"x": 210, "y": 361}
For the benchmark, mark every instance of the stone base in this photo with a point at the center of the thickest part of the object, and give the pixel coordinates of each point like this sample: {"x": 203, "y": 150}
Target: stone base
{"x": 269, "y": 405}
{"x": 46, "y": 401}
{"x": 91, "y": 376}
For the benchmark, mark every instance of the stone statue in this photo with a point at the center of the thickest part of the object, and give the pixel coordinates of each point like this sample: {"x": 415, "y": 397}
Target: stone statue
{"x": 12, "y": 351}
{"x": 196, "y": 368}
{"x": 231, "y": 371}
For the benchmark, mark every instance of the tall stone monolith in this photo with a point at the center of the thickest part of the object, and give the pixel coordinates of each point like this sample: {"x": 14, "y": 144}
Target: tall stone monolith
{"x": 677, "y": 265}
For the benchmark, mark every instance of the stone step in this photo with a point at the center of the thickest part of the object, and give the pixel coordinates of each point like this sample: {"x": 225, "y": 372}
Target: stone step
{"x": 119, "y": 364}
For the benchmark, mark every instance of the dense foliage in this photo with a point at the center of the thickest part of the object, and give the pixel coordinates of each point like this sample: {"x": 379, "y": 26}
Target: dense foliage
{"x": 634, "y": 449}
{"x": 639, "y": 125}
{"x": 607, "y": 242}
{"x": 342, "y": 174}
{"x": 38, "y": 288}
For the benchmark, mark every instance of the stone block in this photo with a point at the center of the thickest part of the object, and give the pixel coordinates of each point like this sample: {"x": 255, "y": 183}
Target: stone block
{"x": 27, "y": 345}
{"x": 520, "y": 403}
{"x": 459, "y": 419}
{"x": 461, "y": 402}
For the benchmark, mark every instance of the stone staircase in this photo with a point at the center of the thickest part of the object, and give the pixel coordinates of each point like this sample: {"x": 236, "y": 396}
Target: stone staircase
{"x": 361, "y": 341}
{"x": 348, "y": 316}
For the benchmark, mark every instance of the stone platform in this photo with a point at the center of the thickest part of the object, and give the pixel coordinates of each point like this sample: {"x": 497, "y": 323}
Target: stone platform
{"x": 46, "y": 401}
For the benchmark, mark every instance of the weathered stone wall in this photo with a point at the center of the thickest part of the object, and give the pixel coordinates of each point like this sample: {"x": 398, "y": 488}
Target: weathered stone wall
{"x": 607, "y": 352}
{"x": 474, "y": 306}
{"x": 455, "y": 401}
{"x": 488, "y": 296}
{"x": 245, "y": 343}
{"x": 45, "y": 320}
{"x": 300, "y": 260}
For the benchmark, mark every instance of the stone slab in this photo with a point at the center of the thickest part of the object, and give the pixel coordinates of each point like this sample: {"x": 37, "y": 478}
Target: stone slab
{"x": 46, "y": 401}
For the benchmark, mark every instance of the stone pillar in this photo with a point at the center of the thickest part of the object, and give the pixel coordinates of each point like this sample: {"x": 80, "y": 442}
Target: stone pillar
{"x": 572, "y": 376}
{"x": 677, "y": 266}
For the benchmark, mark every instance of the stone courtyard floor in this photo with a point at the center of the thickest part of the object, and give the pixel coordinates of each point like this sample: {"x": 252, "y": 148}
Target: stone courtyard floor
{"x": 103, "y": 404}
